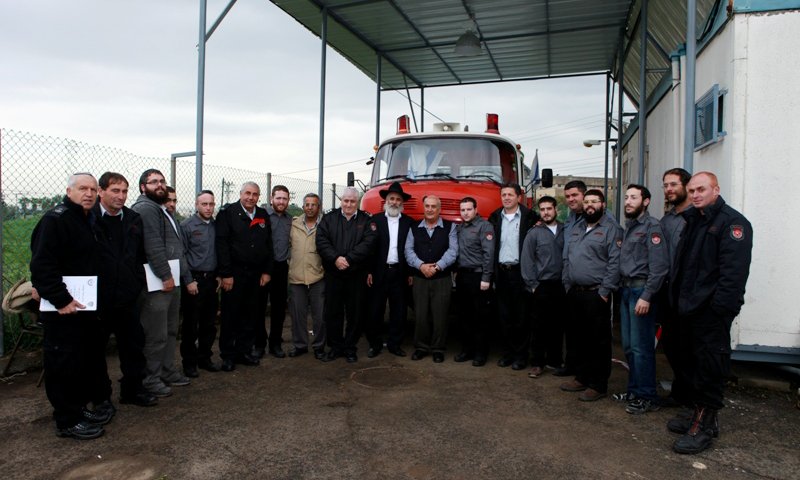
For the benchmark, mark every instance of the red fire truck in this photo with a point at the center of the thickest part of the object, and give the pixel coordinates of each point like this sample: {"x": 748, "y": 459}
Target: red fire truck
{"x": 448, "y": 163}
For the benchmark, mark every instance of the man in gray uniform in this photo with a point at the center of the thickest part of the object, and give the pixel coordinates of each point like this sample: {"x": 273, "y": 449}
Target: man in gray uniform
{"x": 644, "y": 264}
{"x": 675, "y": 182}
{"x": 277, "y": 290}
{"x": 541, "y": 265}
{"x": 591, "y": 274}
{"x": 159, "y": 316}
{"x": 473, "y": 282}
{"x": 200, "y": 310}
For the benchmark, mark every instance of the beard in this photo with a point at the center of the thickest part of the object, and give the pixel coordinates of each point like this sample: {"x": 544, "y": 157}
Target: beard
{"x": 595, "y": 216}
{"x": 392, "y": 211}
{"x": 679, "y": 198}
{"x": 635, "y": 213}
{"x": 154, "y": 196}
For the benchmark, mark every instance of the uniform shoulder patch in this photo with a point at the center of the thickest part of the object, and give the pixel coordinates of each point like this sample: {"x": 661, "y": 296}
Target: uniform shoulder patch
{"x": 655, "y": 238}
{"x": 619, "y": 243}
{"x": 59, "y": 209}
{"x": 737, "y": 232}
{"x": 372, "y": 226}
{"x": 489, "y": 236}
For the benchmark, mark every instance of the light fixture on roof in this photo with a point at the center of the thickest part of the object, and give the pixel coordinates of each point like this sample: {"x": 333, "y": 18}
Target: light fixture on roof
{"x": 468, "y": 44}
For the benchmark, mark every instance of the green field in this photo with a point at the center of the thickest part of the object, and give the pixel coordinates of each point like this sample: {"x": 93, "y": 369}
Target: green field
{"x": 16, "y": 258}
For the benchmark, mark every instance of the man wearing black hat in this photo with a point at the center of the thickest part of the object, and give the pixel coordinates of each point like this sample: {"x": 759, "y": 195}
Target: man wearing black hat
{"x": 388, "y": 276}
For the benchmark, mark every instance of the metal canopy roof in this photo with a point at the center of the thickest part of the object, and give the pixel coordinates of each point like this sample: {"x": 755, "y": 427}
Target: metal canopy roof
{"x": 521, "y": 39}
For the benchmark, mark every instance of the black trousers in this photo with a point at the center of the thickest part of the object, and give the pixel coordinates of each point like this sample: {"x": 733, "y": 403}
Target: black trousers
{"x": 592, "y": 338}
{"x": 345, "y": 298}
{"x": 704, "y": 353}
{"x": 392, "y": 287}
{"x": 276, "y": 293}
{"x": 198, "y": 331}
{"x": 513, "y": 307}
{"x": 474, "y": 315}
{"x": 547, "y": 324}
{"x": 240, "y": 315}
{"x": 68, "y": 357}
{"x": 675, "y": 338}
{"x": 123, "y": 322}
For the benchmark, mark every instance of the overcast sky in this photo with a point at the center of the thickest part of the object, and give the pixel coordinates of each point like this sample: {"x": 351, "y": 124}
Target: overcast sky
{"x": 124, "y": 74}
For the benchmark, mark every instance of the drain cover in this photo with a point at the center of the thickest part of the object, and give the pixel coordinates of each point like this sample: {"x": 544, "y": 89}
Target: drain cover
{"x": 384, "y": 377}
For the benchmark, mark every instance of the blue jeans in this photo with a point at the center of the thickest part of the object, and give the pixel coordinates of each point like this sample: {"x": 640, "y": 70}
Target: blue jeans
{"x": 638, "y": 343}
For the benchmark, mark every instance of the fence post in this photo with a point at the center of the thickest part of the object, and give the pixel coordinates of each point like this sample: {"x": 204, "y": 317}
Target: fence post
{"x": 2, "y": 252}
{"x": 333, "y": 196}
{"x": 269, "y": 185}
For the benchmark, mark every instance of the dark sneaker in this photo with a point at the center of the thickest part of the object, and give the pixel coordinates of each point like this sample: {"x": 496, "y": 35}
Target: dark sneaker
{"x": 81, "y": 431}
{"x": 96, "y": 417}
{"x": 160, "y": 391}
{"x": 639, "y": 406}
{"x": 179, "y": 381}
{"x": 106, "y": 407}
{"x": 623, "y": 397}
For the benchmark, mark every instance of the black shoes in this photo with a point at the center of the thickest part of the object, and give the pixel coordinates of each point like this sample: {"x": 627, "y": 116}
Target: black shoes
{"x": 296, "y": 352}
{"x": 331, "y": 356}
{"x": 438, "y": 357}
{"x": 228, "y": 365}
{"x": 191, "y": 371}
{"x": 564, "y": 372}
{"x": 351, "y": 357}
{"x": 319, "y": 353}
{"x": 208, "y": 365}
{"x": 373, "y": 352}
{"x": 277, "y": 352}
{"x": 248, "y": 360}
{"x": 419, "y": 355}
{"x": 106, "y": 407}
{"x": 141, "y": 399}
{"x": 397, "y": 351}
{"x": 505, "y": 361}
{"x": 257, "y": 352}
{"x": 479, "y": 361}
{"x": 81, "y": 431}
{"x": 96, "y": 417}
{"x": 463, "y": 357}
{"x": 704, "y": 427}
{"x": 519, "y": 365}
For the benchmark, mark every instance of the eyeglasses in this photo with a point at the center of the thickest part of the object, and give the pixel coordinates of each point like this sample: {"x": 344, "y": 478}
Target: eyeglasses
{"x": 157, "y": 182}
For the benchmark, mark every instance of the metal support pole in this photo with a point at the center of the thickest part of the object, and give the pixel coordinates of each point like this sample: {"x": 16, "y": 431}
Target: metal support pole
{"x": 607, "y": 114}
{"x": 173, "y": 171}
{"x": 333, "y": 196}
{"x": 620, "y": 130}
{"x": 378, "y": 102}
{"x": 689, "y": 114}
{"x": 2, "y": 216}
{"x": 642, "y": 92}
{"x": 421, "y": 109}
{"x": 324, "y": 38}
{"x": 201, "y": 80}
{"x": 269, "y": 184}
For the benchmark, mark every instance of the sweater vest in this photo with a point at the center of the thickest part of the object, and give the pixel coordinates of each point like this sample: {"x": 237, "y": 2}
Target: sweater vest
{"x": 430, "y": 249}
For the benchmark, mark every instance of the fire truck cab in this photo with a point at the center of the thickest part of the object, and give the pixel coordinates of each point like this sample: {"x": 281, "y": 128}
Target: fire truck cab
{"x": 448, "y": 163}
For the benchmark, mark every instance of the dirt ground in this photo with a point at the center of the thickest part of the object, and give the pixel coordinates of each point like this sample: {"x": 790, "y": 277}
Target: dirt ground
{"x": 391, "y": 418}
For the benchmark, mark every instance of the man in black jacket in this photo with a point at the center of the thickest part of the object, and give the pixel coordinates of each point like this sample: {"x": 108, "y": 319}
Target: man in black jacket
{"x": 121, "y": 280}
{"x": 244, "y": 262}
{"x": 345, "y": 242}
{"x": 511, "y": 223}
{"x": 63, "y": 244}
{"x": 708, "y": 285}
{"x": 389, "y": 276}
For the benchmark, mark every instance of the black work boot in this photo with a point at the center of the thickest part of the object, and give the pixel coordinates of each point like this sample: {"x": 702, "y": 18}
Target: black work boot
{"x": 682, "y": 422}
{"x": 700, "y": 434}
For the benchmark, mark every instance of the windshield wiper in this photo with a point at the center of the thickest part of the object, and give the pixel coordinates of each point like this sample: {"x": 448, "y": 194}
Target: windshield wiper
{"x": 394, "y": 177}
{"x": 438, "y": 175}
{"x": 481, "y": 175}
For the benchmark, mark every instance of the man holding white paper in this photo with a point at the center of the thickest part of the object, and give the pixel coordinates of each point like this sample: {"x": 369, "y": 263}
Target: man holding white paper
{"x": 63, "y": 245}
{"x": 159, "y": 315}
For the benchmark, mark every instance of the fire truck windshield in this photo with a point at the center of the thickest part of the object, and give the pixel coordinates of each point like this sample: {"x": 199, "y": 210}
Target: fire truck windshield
{"x": 446, "y": 159}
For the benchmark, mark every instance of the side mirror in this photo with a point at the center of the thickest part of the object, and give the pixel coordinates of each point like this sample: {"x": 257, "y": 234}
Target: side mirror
{"x": 547, "y": 177}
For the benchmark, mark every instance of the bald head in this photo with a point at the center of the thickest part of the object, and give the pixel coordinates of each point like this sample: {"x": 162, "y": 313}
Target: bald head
{"x": 703, "y": 189}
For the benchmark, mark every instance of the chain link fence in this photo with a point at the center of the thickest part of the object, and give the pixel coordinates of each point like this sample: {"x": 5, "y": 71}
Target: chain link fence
{"x": 33, "y": 178}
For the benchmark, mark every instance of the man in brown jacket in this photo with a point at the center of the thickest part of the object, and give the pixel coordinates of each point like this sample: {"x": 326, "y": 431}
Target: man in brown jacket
{"x": 306, "y": 282}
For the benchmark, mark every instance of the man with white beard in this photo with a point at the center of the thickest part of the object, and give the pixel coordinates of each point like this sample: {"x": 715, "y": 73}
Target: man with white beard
{"x": 389, "y": 275}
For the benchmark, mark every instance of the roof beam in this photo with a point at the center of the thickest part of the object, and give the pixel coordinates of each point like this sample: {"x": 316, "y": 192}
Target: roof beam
{"x": 424, "y": 39}
{"x": 510, "y": 37}
{"x": 520, "y": 79}
{"x": 336, "y": 17}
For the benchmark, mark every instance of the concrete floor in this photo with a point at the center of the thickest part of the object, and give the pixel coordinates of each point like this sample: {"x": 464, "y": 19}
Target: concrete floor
{"x": 388, "y": 418}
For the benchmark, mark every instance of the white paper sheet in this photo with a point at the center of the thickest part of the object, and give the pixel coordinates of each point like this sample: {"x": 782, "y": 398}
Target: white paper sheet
{"x": 154, "y": 283}
{"x": 83, "y": 289}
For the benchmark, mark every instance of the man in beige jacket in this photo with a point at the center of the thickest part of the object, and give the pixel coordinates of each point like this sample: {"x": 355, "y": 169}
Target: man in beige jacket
{"x": 306, "y": 283}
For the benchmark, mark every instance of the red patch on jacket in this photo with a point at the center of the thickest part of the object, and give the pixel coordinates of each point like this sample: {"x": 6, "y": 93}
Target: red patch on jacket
{"x": 257, "y": 221}
{"x": 656, "y": 239}
{"x": 737, "y": 232}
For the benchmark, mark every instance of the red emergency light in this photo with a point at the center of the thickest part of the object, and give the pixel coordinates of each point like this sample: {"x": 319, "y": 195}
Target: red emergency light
{"x": 402, "y": 125}
{"x": 491, "y": 123}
